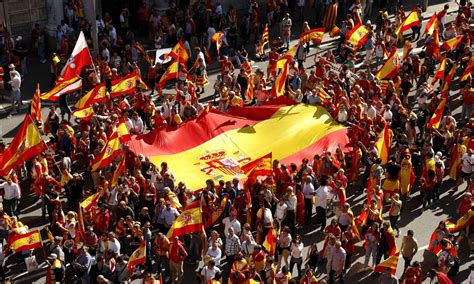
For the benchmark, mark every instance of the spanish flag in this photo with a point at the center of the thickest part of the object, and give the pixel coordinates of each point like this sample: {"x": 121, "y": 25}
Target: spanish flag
{"x": 96, "y": 95}
{"x": 91, "y": 201}
{"x": 170, "y": 73}
{"x": 412, "y": 20}
{"x": 334, "y": 32}
{"x": 217, "y": 212}
{"x": 259, "y": 167}
{"x": 127, "y": 85}
{"x": 26, "y": 144}
{"x": 121, "y": 132}
{"x": 198, "y": 152}
{"x": 111, "y": 150}
{"x": 431, "y": 25}
{"x": 30, "y": 240}
{"x": 84, "y": 114}
{"x": 436, "y": 49}
{"x": 407, "y": 48}
{"x": 358, "y": 35}
{"x": 138, "y": 257}
{"x": 390, "y": 262}
{"x": 189, "y": 221}
{"x": 141, "y": 50}
{"x": 35, "y": 108}
{"x": 118, "y": 171}
{"x": 65, "y": 87}
{"x": 315, "y": 35}
{"x": 384, "y": 144}
{"x": 217, "y": 38}
{"x": 466, "y": 220}
{"x": 49, "y": 234}
{"x": 467, "y": 72}
{"x": 439, "y": 75}
{"x": 283, "y": 63}
{"x": 390, "y": 68}
{"x": 448, "y": 79}
{"x": 270, "y": 242}
{"x": 207, "y": 55}
{"x": 451, "y": 44}
{"x": 179, "y": 53}
{"x": 438, "y": 114}
{"x": 249, "y": 93}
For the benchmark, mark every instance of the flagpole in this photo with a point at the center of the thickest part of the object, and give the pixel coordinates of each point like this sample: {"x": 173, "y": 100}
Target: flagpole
{"x": 42, "y": 246}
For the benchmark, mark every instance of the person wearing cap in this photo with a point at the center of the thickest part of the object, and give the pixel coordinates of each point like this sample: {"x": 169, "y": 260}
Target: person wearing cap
{"x": 55, "y": 272}
{"x": 56, "y": 248}
{"x": 15, "y": 83}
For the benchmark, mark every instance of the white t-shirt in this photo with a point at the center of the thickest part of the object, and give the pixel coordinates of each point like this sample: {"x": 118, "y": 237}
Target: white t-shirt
{"x": 209, "y": 273}
{"x": 280, "y": 210}
{"x": 11, "y": 190}
{"x": 322, "y": 196}
{"x": 296, "y": 250}
{"x": 215, "y": 255}
{"x": 467, "y": 163}
{"x": 234, "y": 224}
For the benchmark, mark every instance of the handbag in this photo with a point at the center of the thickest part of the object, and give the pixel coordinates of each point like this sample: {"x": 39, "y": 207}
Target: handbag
{"x": 31, "y": 263}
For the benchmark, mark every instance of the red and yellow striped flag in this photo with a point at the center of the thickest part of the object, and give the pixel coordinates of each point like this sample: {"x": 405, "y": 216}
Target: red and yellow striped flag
{"x": 407, "y": 48}
{"x": 315, "y": 35}
{"x": 170, "y": 73}
{"x": 35, "y": 109}
{"x": 30, "y": 240}
{"x": 432, "y": 24}
{"x": 138, "y": 257}
{"x": 26, "y": 144}
{"x": 189, "y": 221}
{"x": 179, "y": 53}
{"x": 84, "y": 114}
{"x": 118, "y": 171}
{"x": 330, "y": 16}
{"x": 65, "y": 87}
{"x": 390, "y": 262}
{"x": 438, "y": 114}
{"x": 91, "y": 201}
{"x": 412, "y": 20}
{"x": 390, "y": 68}
{"x": 335, "y": 31}
{"x": 439, "y": 75}
{"x": 264, "y": 41}
{"x": 451, "y": 44}
{"x": 384, "y": 144}
{"x": 436, "y": 49}
{"x": 270, "y": 242}
{"x": 467, "y": 72}
{"x": 358, "y": 35}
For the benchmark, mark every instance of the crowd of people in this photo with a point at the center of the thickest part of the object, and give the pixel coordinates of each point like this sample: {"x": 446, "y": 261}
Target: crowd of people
{"x": 140, "y": 207}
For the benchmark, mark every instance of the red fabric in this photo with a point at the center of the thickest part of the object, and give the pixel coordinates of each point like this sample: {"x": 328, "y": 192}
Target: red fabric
{"x": 443, "y": 278}
{"x": 80, "y": 58}
{"x": 177, "y": 252}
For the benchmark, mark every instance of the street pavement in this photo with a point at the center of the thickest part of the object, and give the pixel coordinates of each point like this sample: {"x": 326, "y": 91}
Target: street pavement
{"x": 422, "y": 223}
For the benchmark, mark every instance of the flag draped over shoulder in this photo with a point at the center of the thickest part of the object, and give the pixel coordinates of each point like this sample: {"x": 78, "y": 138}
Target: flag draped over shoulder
{"x": 270, "y": 242}
{"x": 390, "y": 68}
{"x": 412, "y": 20}
{"x": 64, "y": 87}
{"x": 384, "y": 144}
{"x": 315, "y": 35}
{"x": 30, "y": 240}
{"x": 35, "y": 110}
{"x": 138, "y": 257}
{"x": 390, "y": 262}
{"x": 26, "y": 145}
{"x": 189, "y": 221}
{"x": 358, "y": 35}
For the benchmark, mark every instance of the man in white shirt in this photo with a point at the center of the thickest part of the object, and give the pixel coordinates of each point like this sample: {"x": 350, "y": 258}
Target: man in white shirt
{"x": 337, "y": 263}
{"x": 281, "y": 211}
{"x": 308, "y": 192}
{"x": 371, "y": 111}
{"x": 322, "y": 194}
{"x": 248, "y": 246}
{"x": 137, "y": 123}
{"x": 231, "y": 221}
{"x": 11, "y": 196}
{"x": 467, "y": 164}
{"x": 215, "y": 253}
{"x": 169, "y": 215}
{"x": 209, "y": 271}
{"x": 15, "y": 83}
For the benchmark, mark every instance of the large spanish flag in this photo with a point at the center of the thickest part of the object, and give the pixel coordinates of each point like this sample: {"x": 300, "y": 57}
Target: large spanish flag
{"x": 315, "y": 35}
{"x": 30, "y": 240}
{"x": 26, "y": 145}
{"x": 189, "y": 221}
{"x": 216, "y": 145}
{"x": 390, "y": 68}
{"x": 390, "y": 262}
{"x": 412, "y": 20}
{"x": 358, "y": 35}
{"x": 138, "y": 257}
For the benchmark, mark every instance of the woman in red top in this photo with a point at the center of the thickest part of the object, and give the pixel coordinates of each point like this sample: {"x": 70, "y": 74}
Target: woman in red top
{"x": 348, "y": 241}
{"x": 427, "y": 187}
{"x": 413, "y": 274}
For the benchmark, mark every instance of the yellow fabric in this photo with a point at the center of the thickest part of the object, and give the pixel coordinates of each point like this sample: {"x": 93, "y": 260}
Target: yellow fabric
{"x": 355, "y": 38}
{"x": 83, "y": 113}
{"x": 254, "y": 142}
{"x": 405, "y": 176}
{"x": 188, "y": 217}
{"x": 391, "y": 64}
{"x": 390, "y": 185}
{"x": 82, "y": 103}
{"x": 32, "y": 239}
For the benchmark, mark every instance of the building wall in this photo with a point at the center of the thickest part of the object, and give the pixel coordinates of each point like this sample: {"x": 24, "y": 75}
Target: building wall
{"x": 21, "y": 15}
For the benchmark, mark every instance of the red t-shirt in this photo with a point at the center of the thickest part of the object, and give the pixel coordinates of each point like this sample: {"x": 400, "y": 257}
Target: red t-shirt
{"x": 177, "y": 252}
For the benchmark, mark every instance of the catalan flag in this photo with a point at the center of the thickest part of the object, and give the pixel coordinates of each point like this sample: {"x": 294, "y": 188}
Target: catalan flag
{"x": 118, "y": 171}
{"x": 80, "y": 225}
{"x": 384, "y": 86}
{"x": 384, "y": 144}
{"x": 451, "y": 44}
{"x": 315, "y": 35}
{"x": 138, "y": 257}
{"x": 35, "y": 108}
{"x": 438, "y": 114}
{"x": 91, "y": 201}
{"x": 170, "y": 73}
{"x": 85, "y": 114}
{"x": 264, "y": 41}
{"x": 390, "y": 68}
{"x": 270, "y": 242}
{"x": 217, "y": 38}
{"x": 467, "y": 72}
{"x": 189, "y": 221}
{"x": 197, "y": 152}
{"x": 26, "y": 144}
{"x": 390, "y": 262}
{"x": 439, "y": 75}
{"x": 335, "y": 31}
{"x": 259, "y": 167}
{"x": 330, "y": 16}
{"x": 65, "y": 87}
{"x": 30, "y": 240}
{"x": 179, "y": 53}
{"x": 217, "y": 212}
{"x": 412, "y": 20}
{"x": 407, "y": 48}
{"x": 326, "y": 100}
{"x": 431, "y": 25}
{"x": 358, "y": 35}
